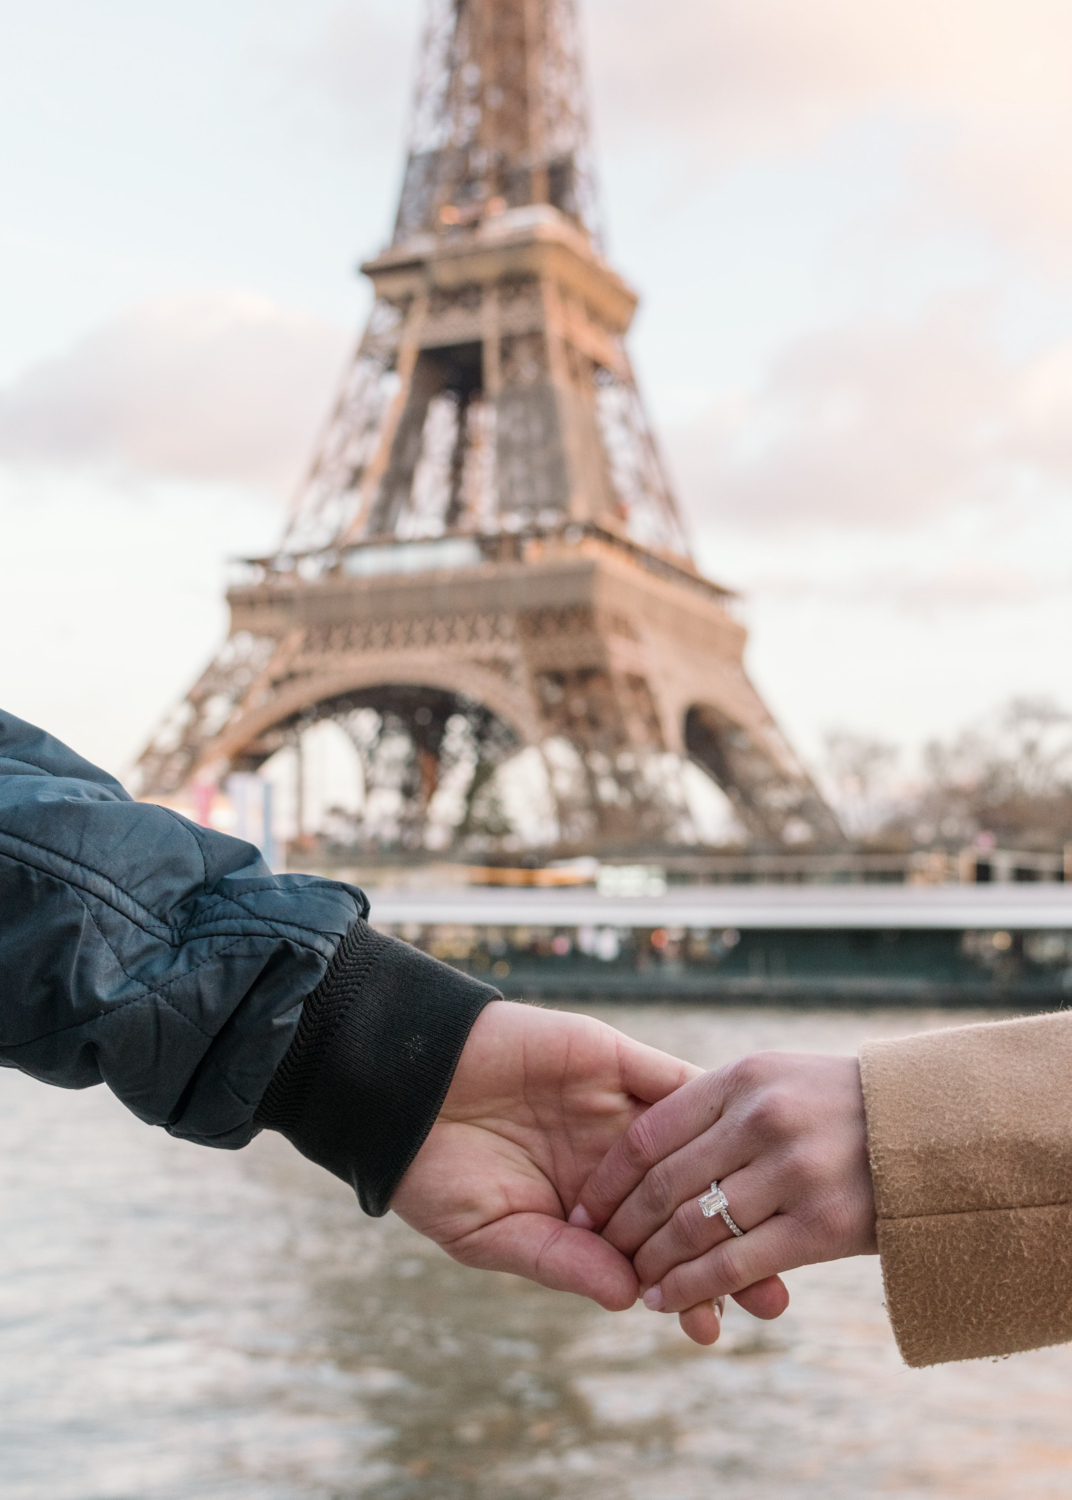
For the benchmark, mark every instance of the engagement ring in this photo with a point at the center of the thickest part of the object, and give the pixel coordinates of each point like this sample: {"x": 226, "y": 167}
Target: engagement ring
{"x": 714, "y": 1202}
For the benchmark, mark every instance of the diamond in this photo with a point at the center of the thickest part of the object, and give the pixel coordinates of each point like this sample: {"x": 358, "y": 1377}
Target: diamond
{"x": 713, "y": 1202}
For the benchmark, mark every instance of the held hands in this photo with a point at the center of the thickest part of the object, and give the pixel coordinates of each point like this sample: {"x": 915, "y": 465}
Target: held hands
{"x": 537, "y": 1101}
{"x": 552, "y": 1115}
{"x": 786, "y": 1137}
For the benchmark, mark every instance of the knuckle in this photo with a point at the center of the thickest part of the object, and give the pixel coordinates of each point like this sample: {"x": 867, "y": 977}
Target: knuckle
{"x": 657, "y": 1193}
{"x": 802, "y": 1167}
{"x": 690, "y": 1230}
{"x": 649, "y": 1263}
{"x": 694, "y": 1281}
{"x": 727, "y": 1267}
{"x": 772, "y": 1114}
{"x": 750, "y": 1072}
{"x": 638, "y": 1146}
{"x": 740, "y": 1077}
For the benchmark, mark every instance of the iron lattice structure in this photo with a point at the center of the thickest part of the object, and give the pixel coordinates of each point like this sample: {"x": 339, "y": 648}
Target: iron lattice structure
{"x": 486, "y": 554}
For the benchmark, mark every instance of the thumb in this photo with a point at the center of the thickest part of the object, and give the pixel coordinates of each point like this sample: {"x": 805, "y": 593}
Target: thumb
{"x": 649, "y": 1074}
{"x": 555, "y": 1254}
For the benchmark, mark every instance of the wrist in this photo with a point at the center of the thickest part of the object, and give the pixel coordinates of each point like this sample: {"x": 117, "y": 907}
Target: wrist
{"x": 372, "y": 1061}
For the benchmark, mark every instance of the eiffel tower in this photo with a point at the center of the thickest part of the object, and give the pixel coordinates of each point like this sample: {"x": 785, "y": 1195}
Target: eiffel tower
{"x": 486, "y": 557}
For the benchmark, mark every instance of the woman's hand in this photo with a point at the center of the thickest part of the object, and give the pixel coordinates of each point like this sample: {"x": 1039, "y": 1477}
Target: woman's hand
{"x": 786, "y": 1137}
{"x": 538, "y": 1099}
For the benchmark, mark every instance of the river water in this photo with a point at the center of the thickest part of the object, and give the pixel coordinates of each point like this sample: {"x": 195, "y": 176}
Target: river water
{"x": 179, "y": 1323}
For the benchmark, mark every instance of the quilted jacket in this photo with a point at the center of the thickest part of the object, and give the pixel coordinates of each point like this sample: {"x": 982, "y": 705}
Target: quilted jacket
{"x": 213, "y": 997}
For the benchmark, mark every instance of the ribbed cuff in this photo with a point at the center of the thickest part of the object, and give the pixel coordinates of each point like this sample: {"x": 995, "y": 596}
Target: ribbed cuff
{"x": 371, "y": 1062}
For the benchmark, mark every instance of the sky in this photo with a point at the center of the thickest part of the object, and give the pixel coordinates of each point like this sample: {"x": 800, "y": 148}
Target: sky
{"x": 851, "y": 229}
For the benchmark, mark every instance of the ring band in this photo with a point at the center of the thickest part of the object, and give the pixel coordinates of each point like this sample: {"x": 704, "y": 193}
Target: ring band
{"x": 714, "y": 1202}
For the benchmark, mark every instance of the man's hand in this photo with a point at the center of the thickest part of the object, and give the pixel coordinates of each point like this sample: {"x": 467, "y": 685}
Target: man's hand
{"x": 538, "y": 1099}
{"x": 786, "y": 1136}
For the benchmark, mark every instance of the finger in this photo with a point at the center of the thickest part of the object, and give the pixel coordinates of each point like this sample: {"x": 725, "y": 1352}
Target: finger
{"x": 680, "y": 1179}
{"x": 776, "y": 1245}
{"x": 765, "y": 1299}
{"x": 703, "y": 1323}
{"x": 649, "y": 1074}
{"x": 752, "y": 1195}
{"x": 554, "y": 1254}
{"x": 660, "y": 1131}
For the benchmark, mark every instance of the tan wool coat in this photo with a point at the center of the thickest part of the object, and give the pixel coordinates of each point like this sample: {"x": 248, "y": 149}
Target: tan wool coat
{"x": 970, "y": 1135}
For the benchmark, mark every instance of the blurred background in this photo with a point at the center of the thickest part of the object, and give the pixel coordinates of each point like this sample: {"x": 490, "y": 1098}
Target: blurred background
{"x": 851, "y": 230}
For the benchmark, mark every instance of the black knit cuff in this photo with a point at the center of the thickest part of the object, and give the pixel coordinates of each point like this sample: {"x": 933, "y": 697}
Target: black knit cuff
{"x": 371, "y": 1062}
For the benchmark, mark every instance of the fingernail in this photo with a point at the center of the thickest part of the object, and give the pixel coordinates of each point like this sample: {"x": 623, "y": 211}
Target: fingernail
{"x": 580, "y": 1218}
{"x": 653, "y": 1299}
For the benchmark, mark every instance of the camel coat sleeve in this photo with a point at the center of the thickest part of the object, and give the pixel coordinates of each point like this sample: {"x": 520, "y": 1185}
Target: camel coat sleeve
{"x": 970, "y": 1135}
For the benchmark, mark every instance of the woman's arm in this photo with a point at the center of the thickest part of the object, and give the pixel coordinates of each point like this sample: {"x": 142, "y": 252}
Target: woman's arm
{"x": 971, "y": 1152}
{"x": 950, "y": 1151}
{"x": 785, "y": 1136}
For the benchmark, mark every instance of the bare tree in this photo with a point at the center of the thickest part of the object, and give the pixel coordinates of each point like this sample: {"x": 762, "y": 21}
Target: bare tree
{"x": 857, "y": 778}
{"x": 1009, "y": 776}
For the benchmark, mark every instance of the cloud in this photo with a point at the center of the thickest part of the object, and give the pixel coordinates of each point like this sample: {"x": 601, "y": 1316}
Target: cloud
{"x": 882, "y": 423}
{"x": 360, "y": 55}
{"x": 970, "y": 583}
{"x": 356, "y": 77}
{"x": 751, "y": 77}
{"x": 209, "y": 386}
{"x": 767, "y": 66}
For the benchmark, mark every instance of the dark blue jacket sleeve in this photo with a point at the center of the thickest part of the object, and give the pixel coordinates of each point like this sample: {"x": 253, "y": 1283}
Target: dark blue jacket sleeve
{"x": 166, "y": 960}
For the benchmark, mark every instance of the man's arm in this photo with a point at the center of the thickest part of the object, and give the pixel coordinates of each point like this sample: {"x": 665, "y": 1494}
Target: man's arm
{"x": 213, "y": 997}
